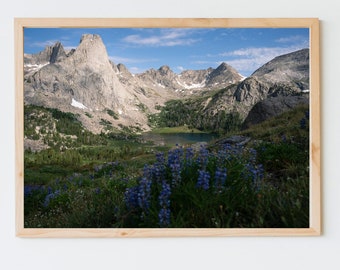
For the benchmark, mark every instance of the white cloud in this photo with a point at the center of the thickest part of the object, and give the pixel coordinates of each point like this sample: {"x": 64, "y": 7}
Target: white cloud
{"x": 166, "y": 38}
{"x": 135, "y": 70}
{"x": 42, "y": 43}
{"x": 292, "y": 39}
{"x": 247, "y": 60}
{"x": 180, "y": 68}
{"x": 262, "y": 52}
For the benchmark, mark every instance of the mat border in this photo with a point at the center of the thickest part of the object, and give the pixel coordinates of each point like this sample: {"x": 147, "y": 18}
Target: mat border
{"x": 315, "y": 124}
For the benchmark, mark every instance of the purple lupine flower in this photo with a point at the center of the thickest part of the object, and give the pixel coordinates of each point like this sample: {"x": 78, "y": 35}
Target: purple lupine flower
{"x": 144, "y": 194}
{"x": 303, "y": 123}
{"x": 203, "y": 179}
{"x": 131, "y": 197}
{"x": 307, "y": 114}
{"x": 220, "y": 177}
{"x": 174, "y": 163}
{"x": 164, "y": 202}
{"x": 203, "y": 157}
{"x": 158, "y": 169}
{"x": 51, "y": 196}
{"x": 29, "y": 190}
{"x": 164, "y": 196}
{"x": 256, "y": 173}
{"x": 189, "y": 156}
{"x": 164, "y": 217}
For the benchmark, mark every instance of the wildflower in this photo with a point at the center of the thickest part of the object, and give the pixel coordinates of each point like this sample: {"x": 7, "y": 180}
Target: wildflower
{"x": 97, "y": 190}
{"x": 307, "y": 114}
{"x": 97, "y": 168}
{"x": 164, "y": 217}
{"x": 164, "y": 202}
{"x": 220, "y": 177}
{"x": 232, "y": 151}
{"x": 189, "y": 155}
{"x": 164, "y": 196}
{"x": 303, "y": 123}
{"x": 203, "y": 157}
{"x": 252, "y": 155}
{"x": 256, "y": 173}
{"x": 144, "y": 194}
{"x": 51, "y": 196}
{"x": 158, "y": 169}
{"x": 29, "y": 190}
{"x": 174, "y": 163}
{"x": 203, "y": 179}
{"x": 131, "y": 197}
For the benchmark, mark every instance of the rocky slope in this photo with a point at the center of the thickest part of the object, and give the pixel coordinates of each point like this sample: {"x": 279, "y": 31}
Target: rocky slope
{"x": 189, "y": 82}
{"x": 272, "y": 107}
{"x": 86, "y": 83}
{"x": 105, "y": 95}
{"x": 284, "y": 76}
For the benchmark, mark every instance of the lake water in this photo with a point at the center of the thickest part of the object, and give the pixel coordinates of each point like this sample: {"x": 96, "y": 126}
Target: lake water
{"x": 179, "y": 138}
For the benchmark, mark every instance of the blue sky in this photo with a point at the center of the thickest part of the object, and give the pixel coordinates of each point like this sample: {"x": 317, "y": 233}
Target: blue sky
{"x": 246, "y": 49}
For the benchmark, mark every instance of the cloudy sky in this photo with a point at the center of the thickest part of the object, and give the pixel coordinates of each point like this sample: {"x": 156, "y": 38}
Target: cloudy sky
{"x": 246, "y": 49}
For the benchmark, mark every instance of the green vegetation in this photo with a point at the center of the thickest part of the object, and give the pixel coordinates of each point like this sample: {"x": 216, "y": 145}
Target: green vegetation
{"x": 192, "y": 113}
{"x": 113, "y": 114}
{"x": 179, "y": 129}
{"x": 113, "y": 180}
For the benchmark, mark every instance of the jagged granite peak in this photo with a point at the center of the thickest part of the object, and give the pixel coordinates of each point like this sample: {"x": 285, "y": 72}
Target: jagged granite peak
{"x": 85, "y": 80}
{"x": 224, "y": 74}
{"x": 165, "y": 70}
{"x": 293, "y": 66}
{"x": 91, "y": 49}
{"x": 123, "y": 69}
{"x": 58, "y": 53}
{"x": 50, "y": 54}
{"x": 250, "y": 91}
{"x": 194, "y": 78}
{"x": 163, "y": 77}
{"x": 285, "y": 75}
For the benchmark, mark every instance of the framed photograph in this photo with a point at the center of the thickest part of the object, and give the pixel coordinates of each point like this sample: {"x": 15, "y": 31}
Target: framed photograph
{"x": 167, "y": 127}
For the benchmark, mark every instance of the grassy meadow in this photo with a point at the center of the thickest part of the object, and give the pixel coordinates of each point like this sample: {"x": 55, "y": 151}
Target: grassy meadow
{"x": 116, "y": 180}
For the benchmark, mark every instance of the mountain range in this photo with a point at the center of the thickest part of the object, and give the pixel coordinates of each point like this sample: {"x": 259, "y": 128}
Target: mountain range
{"x": 86, "y": 82}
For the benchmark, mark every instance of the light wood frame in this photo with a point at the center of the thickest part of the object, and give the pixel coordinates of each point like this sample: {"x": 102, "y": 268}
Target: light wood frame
{"x": 315, "y": 126}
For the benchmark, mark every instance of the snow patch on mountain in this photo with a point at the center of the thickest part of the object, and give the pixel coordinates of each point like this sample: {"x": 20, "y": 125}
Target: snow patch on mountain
{"x": 77, "y": 104}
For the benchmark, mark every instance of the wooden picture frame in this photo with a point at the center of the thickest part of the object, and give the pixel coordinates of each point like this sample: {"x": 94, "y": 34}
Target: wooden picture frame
{"x": 315, "y": 126}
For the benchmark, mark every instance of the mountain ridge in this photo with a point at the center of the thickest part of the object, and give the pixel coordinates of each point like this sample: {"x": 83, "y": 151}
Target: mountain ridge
{"x": 86, "y": 82}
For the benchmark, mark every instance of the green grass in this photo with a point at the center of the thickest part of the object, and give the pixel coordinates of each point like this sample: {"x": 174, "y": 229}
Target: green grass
{"x": 120, "y": 182}
{"x": 180, "y": 129}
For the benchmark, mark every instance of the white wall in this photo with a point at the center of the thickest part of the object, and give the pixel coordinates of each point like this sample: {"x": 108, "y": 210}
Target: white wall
{"x": 186, "y": 253}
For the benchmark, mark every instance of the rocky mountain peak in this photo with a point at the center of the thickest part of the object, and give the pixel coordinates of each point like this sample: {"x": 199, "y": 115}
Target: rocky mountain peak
{"x": 57, "y": 53}
{"x": 91, "y": 49}
{"x": 123, "y": 69}
{"x": 164, "y": 70}
{"x": 223, "y": 66}
{"x": 288, "y": 67}
{"x": 51, "y": 54}
{"x": 224, "y": 74}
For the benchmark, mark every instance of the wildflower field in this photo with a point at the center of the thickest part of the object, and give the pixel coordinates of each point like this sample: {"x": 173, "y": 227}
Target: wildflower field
{"x": 263, "y": 183}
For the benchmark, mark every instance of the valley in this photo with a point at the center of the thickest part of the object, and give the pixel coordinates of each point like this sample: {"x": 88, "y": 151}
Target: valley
{"x": 203, "y": 148}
